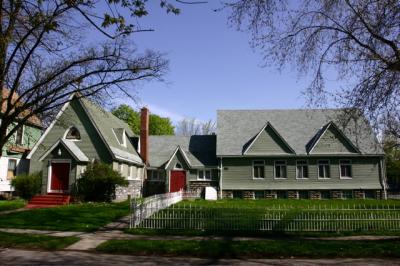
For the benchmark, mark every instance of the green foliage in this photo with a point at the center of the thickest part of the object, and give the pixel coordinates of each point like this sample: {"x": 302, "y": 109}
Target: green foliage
{"x": 158, "y": 125}
{"x": 392, "y": 152}
{"x": 98, "y": 183}
{"x": 26, "y": 186}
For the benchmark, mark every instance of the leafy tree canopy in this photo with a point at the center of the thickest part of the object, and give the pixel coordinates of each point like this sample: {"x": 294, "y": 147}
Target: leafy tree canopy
{"x": 158, "y": 125}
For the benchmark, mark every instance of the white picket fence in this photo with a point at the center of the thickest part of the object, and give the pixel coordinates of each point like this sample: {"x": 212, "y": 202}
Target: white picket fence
{"x": 327, "y": 218}
{"x": 144, "y": 208}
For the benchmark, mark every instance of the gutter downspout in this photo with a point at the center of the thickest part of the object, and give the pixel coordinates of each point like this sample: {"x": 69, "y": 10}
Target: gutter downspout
{"x": 220, "y": 178}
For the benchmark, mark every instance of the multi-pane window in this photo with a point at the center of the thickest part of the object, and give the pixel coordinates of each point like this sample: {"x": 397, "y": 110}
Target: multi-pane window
{"x": 345, "y": 169}
{"x": 258, "y": 169}
{"x": 301, "y": 169}
{"x": 12, "y": 169}
{"x": 280, "y": 169}
{"x": 204, "y": 175}
{"x": 347, "y": 194}
{"x": 323, "y": 169}
{"x": 154, "y": 175}
{"x": 19, "y": 135}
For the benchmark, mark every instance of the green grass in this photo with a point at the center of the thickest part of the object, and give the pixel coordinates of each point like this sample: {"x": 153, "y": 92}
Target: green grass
{"x": 257, "y": 234}
{"x": 255, "y": 249}
{"x": 76, "y": 217}
{"x": 27, "y": 241}
{"x": 6, "y": 205}
{"x": 254, "y": 217}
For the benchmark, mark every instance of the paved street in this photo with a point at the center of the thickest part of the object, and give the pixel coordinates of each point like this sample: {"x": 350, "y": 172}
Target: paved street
{"x": 25, "y": 257}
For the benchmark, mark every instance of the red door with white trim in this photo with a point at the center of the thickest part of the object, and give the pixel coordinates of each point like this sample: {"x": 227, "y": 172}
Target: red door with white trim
{"x": 177, "y": 181}
{"x": 59, "y": 176}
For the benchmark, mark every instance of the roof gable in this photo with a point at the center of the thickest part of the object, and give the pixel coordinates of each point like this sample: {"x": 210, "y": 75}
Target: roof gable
{"x": 330, "y": 139}
{"x": 296, "y": 127}
{"x": 179, "y": 154}
{"x": 71, "y": 147}
{"x": 267, "y": 141}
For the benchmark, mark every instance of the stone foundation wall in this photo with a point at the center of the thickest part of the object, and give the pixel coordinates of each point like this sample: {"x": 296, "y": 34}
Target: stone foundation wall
{"x": 227, "y": 194}
{"x": 248, "y": 194}
{"x": 198, "y": 186}
{"x": 270, "y": 194}
{"x": 292, "y": 194}
{"x": 134, "y": 189}
{"x": 359, "y": 194}
{"x": 315, "y": 195}
{"x": 336, "y": 194}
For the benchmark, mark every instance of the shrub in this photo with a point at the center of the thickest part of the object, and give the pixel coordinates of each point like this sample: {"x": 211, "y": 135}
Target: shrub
{"x": 98, "y": 183}
{"x": 26, "y": 186}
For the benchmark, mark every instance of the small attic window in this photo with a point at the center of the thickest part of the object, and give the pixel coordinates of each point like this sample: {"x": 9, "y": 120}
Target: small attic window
{"x": 73, "y": 134}
{"x": 178, "y": 166}
{"x": 120, "y": 136}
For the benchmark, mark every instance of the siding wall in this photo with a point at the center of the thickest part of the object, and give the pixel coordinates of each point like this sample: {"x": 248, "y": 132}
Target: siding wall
{"x": 237, "y": 174}
{"x": 332, "y": 142}
{"x": 268, "y": 143}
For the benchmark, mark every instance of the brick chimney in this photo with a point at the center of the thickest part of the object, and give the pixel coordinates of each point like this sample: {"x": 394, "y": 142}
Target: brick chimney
{"x": 144, "y": 134}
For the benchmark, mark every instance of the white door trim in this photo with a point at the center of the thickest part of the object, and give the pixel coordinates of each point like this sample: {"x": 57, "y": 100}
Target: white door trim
{"x": 49, "y": 190}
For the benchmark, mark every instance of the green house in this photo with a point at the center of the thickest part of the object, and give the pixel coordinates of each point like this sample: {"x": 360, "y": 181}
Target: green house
{"x": 83, "y": 132}
{"x": 255, "y": 154}
{"x": 13, "y": 159}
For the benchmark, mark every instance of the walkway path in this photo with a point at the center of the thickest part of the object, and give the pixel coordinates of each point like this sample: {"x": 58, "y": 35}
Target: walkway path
{"x": 27, "y": 257}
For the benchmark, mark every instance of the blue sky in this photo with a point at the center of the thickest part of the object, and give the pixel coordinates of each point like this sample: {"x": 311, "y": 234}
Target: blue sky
{"x": 212, "y": 66}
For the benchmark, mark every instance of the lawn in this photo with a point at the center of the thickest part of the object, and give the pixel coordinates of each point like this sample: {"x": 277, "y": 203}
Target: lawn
{"x": 6, "y": 205}
{"x": 76, "y": 217}
{"x": 279, "y": 248}
{"x": 251, "y": 217}
{"x": 10, "y": 240}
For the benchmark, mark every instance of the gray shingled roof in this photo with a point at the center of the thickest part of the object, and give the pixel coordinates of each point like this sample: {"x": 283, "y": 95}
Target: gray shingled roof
{"x": 106, "y": 122}
{"x": 298, "y": 127}
{"x": 200, "y": 150}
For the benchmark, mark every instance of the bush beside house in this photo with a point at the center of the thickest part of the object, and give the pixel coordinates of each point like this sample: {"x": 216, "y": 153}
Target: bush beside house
{"x": 26, "y": 186}
{"x": 98, "y": 183}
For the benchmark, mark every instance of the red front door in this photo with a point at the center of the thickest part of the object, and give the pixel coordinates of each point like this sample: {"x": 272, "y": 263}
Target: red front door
{"x": 178, "y": 181}
{"x": 59, "y": 176}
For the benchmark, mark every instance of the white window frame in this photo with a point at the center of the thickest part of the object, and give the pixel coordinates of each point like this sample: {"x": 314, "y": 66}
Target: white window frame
{"x": 340, "y": 169}
{"x": 22, "y": 137}
{"x": 67, "y": 131}
{"x": 329, "y": 168}
{"x": 123, "y": 137}
{"x": 15, "y": 170}
{"x": 258, "y": 163}
{"x": 302, "y": 165}
{"x": 284, "y": 164}
{"x": 203, "y": 178}
{"x": 178, "y": 168}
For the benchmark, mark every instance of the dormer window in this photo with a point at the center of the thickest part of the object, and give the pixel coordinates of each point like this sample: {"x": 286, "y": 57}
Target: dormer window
{"x": 73, "y": 134}
{"x": 119, "y": 134}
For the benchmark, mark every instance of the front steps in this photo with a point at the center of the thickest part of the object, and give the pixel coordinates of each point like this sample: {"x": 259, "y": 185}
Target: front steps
{"x": 49, "y": 200}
